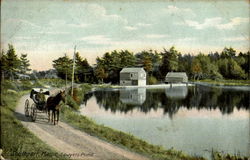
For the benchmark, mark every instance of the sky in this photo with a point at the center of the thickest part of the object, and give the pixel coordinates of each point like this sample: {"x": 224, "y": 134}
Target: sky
{"x": 46, "y": 30}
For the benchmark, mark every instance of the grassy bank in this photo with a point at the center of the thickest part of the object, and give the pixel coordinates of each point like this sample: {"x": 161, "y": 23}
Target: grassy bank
{"x": 226, "y": 82}
{"x": 18, "y": 142}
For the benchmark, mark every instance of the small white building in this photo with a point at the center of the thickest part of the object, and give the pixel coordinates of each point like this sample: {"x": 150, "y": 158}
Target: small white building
{"x": 176, "y": 77}
{"x": 22, "y": 76}
{"x": 133, "y": 76}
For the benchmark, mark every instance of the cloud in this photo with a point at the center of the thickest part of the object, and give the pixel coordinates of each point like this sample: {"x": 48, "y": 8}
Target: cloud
{"x": 216, "y": 22}
{"x": 96, "y": 39}
{"x": 130, "y": 28}
{"x": 81, "y": 25}
{"x": 179, "y": 11}
{"x": 137, "y": 26}
{"x": 99, "y": 12}
{"x": 234, "y": 22}
{"x": 25, "y": 38}
{"x": 209, "y": 22}
{"x": 156, "y": 36}
{"x": 143, "y": 24}
{"x": 54, "y": 32}
{"x": 186, "y": 39}
{"x": 236, "y": 39}
{"x": 20, "y": 23}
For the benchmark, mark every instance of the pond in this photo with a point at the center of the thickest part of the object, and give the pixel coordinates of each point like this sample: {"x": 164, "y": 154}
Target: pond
{"x": 195, "y": 120}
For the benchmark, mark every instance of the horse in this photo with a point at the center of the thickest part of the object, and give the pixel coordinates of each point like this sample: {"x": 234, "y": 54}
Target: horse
{"x": 52, "y": 104}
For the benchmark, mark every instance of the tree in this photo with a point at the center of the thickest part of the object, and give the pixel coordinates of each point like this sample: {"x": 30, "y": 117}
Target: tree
{"x": 184, "y": 63}
{"x": 236, "y": 71}
{"x": 63, "y": 66}
{"x": 110, "y": 65}
{"x": 223, "y": 67}
{"x": 10, "y": 62}
{"x": 169, "y": 61}
{"x": 228, "y": 53}
{"x": 24, "y": 64}
{"x": 100, "y": 73}
{"x": 147, "y": 64}
{"x": 196, "y": 68}
{"x": 83, "y": 70}
{"x": 127, "y": 59}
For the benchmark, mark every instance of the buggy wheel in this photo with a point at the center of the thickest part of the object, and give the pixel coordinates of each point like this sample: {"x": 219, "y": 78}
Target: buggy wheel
{"x": 33, "y": 113}
{"x": 26, "y": 108}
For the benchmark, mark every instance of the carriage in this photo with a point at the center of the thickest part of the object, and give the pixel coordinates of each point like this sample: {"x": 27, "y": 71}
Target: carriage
{"x": 38, "y": 104}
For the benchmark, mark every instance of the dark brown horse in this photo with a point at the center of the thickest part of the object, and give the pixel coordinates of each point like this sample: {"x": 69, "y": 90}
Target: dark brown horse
{"x": 52, "y": 105}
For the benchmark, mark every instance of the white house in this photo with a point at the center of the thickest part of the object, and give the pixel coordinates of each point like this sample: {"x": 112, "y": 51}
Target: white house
{"x": 176, "y": 77}
{"x": 133, "y": 76}
{"x": 22, "y": 76}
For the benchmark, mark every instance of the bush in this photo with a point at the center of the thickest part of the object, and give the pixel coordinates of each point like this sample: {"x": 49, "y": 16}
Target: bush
{"x": 70, "y": 102}
{"x": 152, "y": 80}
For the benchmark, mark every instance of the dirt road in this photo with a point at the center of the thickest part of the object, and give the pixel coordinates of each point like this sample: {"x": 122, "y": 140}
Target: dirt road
{"x": 70, "y": 141}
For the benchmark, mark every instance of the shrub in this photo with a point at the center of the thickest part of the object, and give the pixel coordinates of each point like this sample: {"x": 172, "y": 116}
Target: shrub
{"x": 152, "y": 80}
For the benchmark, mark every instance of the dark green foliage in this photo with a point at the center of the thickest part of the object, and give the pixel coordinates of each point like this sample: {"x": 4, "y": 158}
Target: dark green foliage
{"x": 109, "y": 66}
{"x": 169, "y": 61}
{"x": 63, "y": 65}
{"x": 24, "y": 64}
{"x": 83, "y": 71}
{"x": 152, "y": 80}
{"x": 78, "y": 96}
{"x": 10, "y": 63}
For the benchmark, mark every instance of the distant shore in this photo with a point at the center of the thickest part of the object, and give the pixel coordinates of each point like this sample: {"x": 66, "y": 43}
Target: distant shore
{"x": 217, "y": 84}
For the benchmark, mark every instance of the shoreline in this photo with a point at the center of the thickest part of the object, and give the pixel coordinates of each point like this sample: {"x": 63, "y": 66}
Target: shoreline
{"x": 235, "y": 87}
{"x": 159, "y": 86}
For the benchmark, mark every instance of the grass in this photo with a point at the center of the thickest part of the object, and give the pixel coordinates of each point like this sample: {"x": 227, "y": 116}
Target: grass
{"x": 53, "y": 82}
{"x": 219, "y": 156}
{"x": 227, "y": 82}
{"x": 18, "y": 142}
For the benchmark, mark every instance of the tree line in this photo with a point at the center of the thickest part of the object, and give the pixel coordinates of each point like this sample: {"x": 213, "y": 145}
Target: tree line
{"x": 224, "y": 65}
{"x": 217, "y": 66}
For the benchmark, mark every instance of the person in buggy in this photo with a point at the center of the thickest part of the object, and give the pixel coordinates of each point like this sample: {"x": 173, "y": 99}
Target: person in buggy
{"x": 39, "y": 98}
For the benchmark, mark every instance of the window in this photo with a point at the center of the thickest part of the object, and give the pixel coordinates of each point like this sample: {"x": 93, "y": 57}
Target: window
{"x": 131, "y": 74}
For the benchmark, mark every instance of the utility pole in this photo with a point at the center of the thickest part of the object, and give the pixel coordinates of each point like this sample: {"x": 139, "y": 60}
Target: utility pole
{"x": 74, "y": 57}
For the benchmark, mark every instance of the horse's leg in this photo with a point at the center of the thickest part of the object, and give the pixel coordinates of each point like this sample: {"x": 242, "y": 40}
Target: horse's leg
{"x": 54, "y": 115}
{"x": 58, "y": 116}
{"x": 48, "y": 115}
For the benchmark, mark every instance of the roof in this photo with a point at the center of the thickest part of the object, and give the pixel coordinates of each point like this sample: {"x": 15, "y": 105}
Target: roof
{"x": 176, "y": 74}
{"x": 124, "y": 70}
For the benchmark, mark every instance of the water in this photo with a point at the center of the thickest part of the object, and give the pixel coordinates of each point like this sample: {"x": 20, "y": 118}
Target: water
{"x": 192, "y": 119}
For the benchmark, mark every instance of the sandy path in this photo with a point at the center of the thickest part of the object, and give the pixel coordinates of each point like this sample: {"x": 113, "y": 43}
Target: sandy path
{"x": 70, "y": 141}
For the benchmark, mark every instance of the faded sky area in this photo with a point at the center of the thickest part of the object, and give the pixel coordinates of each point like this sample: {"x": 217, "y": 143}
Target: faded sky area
{"x": 48, "y": 29}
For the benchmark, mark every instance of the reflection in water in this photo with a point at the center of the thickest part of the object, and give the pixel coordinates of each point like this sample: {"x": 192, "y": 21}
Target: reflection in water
{"x": 177, "y": 92}
{"x": 133, "y": 96}
{"x": 192, "y": 119}
{"x": 172, "y": 99}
